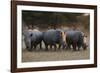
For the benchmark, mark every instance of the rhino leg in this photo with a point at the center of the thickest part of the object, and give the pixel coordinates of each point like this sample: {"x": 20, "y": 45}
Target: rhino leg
{"x": 68, "y": 46}
{"x": 84, "y": 46}
{"x": 50, "y": 46}
{"x": 59, "y": 46}
{"x": 28, "y": 48}
{"x": 41, "y": 45}
{"x": 46, "y": 47}
{"x": 74, "y": 46}
{"x": 34, "y": 46}
{"x": 55, "y": 47}
{"x": 79, "y": 46}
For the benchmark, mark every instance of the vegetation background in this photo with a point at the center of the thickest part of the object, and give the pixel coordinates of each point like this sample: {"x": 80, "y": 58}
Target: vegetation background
{"x": 54, "y": 20}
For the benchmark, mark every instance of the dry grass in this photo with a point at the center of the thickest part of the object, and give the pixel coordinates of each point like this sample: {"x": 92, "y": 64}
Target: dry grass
{"x": 36, "y": 56}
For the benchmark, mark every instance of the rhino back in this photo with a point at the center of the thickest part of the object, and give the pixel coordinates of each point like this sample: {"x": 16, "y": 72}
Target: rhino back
{"x": 74, "y": 35}
{"x": 50, "y": 36}
{"x": 36, "y": 36}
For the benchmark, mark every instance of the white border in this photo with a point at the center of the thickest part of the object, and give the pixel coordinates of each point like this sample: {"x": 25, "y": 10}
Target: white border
{"x": 52, "y": 63}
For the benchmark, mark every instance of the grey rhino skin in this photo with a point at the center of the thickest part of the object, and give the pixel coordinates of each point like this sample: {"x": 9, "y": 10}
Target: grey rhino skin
{"x": 32, "y": 39}
{"x": 27, "y": 39}
{"x": 74, "y": 38}
{"x": 52, "y": 37}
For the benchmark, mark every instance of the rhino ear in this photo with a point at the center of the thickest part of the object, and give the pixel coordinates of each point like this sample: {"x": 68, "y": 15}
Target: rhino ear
{"x": 84, "y": 35}
{"x": 31, "y": 35}
{"x": 60, "y": 33}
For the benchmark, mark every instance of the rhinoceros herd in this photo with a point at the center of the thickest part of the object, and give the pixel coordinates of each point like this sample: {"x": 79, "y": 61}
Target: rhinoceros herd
{"x": 55, "y": 38}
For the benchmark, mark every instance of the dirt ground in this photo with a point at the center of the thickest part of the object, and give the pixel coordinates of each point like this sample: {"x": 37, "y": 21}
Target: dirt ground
{"x": 59, "y": 55}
